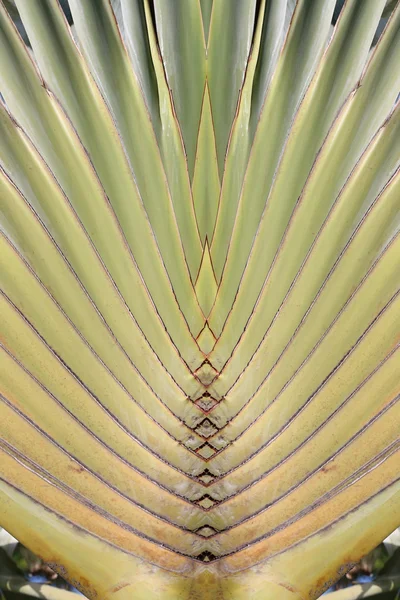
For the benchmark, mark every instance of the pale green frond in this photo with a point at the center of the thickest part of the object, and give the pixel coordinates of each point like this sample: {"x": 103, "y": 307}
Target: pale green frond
{"x": 92, "y": 458}
{"x": 359, "y": 114}
{"x": 206, "y": 10}
{"x": 275, "y": 24}
{"x": 199, "y": 291}
{"x": 206, "y": 341}
{"x": 311, "y": 293}
{"x": 120, "y": 399}
{"x": 169, "y": 135}
{"x": 338, "y": 156}
{"x": 46, "y": 124}
{"x": 239, "y": 146}
{"x": 92, "y": 302}
{"x": 63, "y": 469}
{"x": 137, "y": 29}
{"x": 275, "y": 410}
{"x": 227, "y": 56}
{"x": 288, "y": 488}
{"x": 303, "y": 48}
{"x": 82, "y": 420}
{"x": 132, "y": 22}
{"x": 206, "y": 285}
{"x": 181, "y": 40}
{"x": 206, "y": 184}
{"x": 136, "y": 135}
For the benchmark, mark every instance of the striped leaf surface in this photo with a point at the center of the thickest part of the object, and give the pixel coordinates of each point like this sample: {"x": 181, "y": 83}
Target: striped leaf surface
{"x": 200, "y": 292}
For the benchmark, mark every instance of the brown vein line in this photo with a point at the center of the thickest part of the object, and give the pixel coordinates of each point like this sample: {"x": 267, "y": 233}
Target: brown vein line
{"x": 80, "y": 381}
{"x": 195, "y": 158}
{"x": 284, "y": 146}
{"x": 103, "y": 481}
{"x": 51, "y": 94}
{"x": 82, "y": 384}
{"x": 195, "y": 164}
{"x": 83, "y": 529}
{"x": 272, "y": 186}
{"x": 21, "y": 42}
{"x": 77, "y": 378}
{"x": 364, "y": 470}
{"x": 309, "y": 400}
{"x": 374, "y": 49}
{"x": 220, "y": 184}
{"x": 312, "y": 473}
{"x": 198, "y": 273}
{"x": 234, "y": 123}
{"x": 120, "y": 136}
{"x": 68, "y": 491}
{"x": 112, "y": 418}
{"x": 324, "y": 382}
{"x": 290, "y": 127}
{"x": 84, "y": 339}
{"x": 202, "y": 24}
{"x": 304, "y": 443}
{"x": 306, "y": 314}
{"x": 329, "y": 525}
{"x": 314, "y": 433}
{"x": 314, "y": 242}
{"x": 83, "y": 229}
{"x": 152, "y": 31}
{"x": 89, "y": 74}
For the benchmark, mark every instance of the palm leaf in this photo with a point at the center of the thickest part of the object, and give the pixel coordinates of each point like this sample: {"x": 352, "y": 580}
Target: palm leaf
{"x": 199, "y": 248}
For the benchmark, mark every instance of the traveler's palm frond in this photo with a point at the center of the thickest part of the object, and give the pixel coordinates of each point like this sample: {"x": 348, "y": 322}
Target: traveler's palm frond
{"x": 200, "y": 308}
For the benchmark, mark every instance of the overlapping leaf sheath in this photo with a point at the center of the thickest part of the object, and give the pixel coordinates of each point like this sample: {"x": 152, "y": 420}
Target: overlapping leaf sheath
{"x": 200, "y": 292}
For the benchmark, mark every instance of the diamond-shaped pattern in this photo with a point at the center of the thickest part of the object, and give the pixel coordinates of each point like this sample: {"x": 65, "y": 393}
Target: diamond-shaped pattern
{"x": 206, "y": 428}
{"x": 206, "y": 374}
{"x": 206, "y": 477}
{"x": 206, "y": 502}
{"x": 206, "y": 403}
{"x": 206, "y": 451}
{"x": 206, "y": 531}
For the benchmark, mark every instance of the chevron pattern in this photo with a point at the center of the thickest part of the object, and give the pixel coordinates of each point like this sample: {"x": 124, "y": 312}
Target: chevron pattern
{"x": 200, "y": 267}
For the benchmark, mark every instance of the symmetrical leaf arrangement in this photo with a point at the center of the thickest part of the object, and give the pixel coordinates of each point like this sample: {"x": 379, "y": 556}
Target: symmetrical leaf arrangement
{"x": 200, "y": 267}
